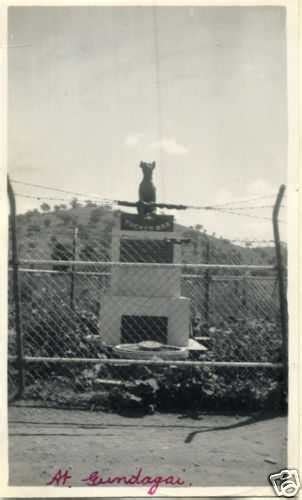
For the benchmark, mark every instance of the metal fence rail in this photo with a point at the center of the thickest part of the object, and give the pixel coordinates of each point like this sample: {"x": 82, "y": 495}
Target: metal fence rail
{"x": 71, "y": 291}
{"x": 62, "y": 339}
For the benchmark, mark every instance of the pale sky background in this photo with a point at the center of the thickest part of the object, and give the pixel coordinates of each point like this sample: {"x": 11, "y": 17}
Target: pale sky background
{"x": 202, "y": 91}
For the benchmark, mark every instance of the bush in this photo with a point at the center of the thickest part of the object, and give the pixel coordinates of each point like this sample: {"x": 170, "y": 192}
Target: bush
{"x": 227, "y": 389}
{"x": 90, "y": 204}
{"x": 47, "y": 222}
{"x": 61, "y": 251}
{"x": 197, "y": 389}
{"x": 96, "y": 215}
{"x": 88, "y": 252}
{"x": 65, "y": 217}
{"x": 33, "y": 228}
{"x": 58, "y": 335}
{"x": 254, "y": 340}
{"x": 51, "y": 328}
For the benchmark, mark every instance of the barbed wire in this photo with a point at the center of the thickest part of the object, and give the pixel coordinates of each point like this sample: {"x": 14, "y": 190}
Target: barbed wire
{"x": 109, "y": 204}
{"x": 254, "y": 198}
{"x": 76, "y": 193}
{"x": 39, "y": 198}
{"x": 247, "y": 215}
{"x": 105, "y": 203}
{"x": 254, "y": 207}
{"x": 109, "y": 200}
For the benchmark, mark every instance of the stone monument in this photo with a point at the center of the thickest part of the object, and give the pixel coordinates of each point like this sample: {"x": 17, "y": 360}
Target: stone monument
{"x": 144, "y": 302}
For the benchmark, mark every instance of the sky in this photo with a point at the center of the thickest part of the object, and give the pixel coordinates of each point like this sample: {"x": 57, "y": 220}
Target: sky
{"x": 92, "y": 91}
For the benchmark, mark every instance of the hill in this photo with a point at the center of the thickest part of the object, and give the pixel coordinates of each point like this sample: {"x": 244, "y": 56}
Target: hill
{"x": 46, "y": 234}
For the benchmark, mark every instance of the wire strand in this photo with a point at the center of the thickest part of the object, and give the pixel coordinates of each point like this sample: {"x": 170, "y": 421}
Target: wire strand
{"x": 262, "y": 197}
{"x": 246, "y": 215}
{"x": 61, "y": 190}
{"x": 110, "y": 202}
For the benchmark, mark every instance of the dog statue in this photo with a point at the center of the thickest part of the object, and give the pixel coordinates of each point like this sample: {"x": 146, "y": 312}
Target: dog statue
{"x": 147, "y": 191}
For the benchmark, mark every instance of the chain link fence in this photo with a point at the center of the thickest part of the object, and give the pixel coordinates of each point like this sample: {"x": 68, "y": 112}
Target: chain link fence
{"x": 75, "y": 313}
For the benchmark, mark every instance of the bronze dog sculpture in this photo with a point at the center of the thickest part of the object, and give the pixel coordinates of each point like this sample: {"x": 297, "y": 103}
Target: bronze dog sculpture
{"x": 147, "y": 191}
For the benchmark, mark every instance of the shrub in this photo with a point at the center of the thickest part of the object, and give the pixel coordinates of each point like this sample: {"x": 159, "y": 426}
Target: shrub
{"x": 61, "y": 251}
{"x": 59, "y": 335}
{"x": 88, "y": 252}
{"x": 254, "y": 340}
{"x": 96, "y": 215}
{"x": 33, "y": 228}
{"x": 197, "y": 389}
{"x": 90, "y": 204}
{"x": 65, "y": 217}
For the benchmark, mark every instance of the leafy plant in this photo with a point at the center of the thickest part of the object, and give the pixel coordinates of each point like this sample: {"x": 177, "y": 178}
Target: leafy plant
{"x": 45, "y": 207}
{"x": 61, "y": 251}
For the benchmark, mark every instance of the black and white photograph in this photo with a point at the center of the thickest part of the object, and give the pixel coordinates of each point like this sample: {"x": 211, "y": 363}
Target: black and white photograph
{"x": 148, "y": 194}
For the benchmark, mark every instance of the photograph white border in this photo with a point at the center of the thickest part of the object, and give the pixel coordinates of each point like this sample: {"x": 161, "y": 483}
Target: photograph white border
{"x": 294, "y": 270}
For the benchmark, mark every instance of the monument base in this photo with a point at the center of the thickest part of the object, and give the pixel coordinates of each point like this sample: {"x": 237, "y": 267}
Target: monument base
{"x": 140, "y": 314}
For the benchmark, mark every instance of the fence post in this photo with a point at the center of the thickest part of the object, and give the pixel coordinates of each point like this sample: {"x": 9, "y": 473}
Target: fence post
{"x": 281, "y": 281}
{"x": 207, "y": 286}
{"x": 74, "y": 257}
{"x": 16, "y": 291}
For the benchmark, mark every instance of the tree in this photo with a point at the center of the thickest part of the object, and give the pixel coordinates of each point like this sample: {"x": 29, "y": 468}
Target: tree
{"x": 96, "y": 215}
{"x": 75, "y": 203}
{"x": 90, "y": 204}
{"x": 47, "y": 222}
{"x": 65, "y": 217}
{"x": 45, "y": 207}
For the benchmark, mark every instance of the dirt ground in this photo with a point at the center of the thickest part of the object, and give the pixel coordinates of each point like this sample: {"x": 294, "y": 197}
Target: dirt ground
{"x": 211, "y": 450}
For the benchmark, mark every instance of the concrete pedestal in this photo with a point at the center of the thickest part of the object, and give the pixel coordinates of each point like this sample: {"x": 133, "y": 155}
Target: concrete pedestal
{"x": 175, "y": 309}
{"x": 140, "y": 280}
{"x": 144, "y": 299}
